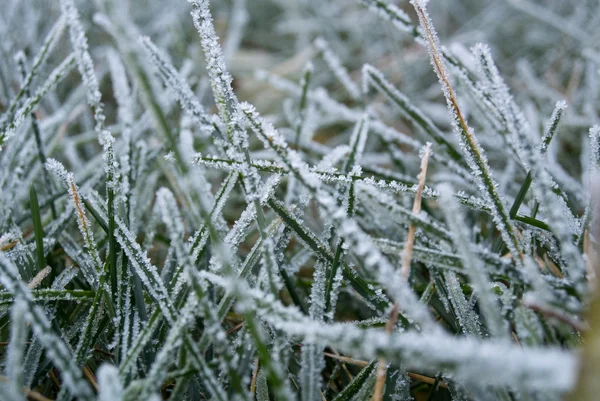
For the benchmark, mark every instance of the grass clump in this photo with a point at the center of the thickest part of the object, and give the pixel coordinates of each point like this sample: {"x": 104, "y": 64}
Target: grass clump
{"x": 299, "y": 211}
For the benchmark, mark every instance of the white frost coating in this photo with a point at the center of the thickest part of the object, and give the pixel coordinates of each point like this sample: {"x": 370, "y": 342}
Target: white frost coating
{"x": 340, "y": 72}
{"x": 121, "y": 88}
{"x": 55, "y": 347}
{"x": 198, "y": 240}
{"x": 11, "y": 279}
{"x": 64, "y": 278}
{"x": 513, "y": 119}
{"x": 94, "y": 98}
{"x": 467, "y": 359}
{"x": 45, "y": 49}
{"x": 312, "y": 357}
{"x": 84, "y": 61}
{"x": 185, "y": 96}
{"x": 280, "y": 83}
{"x": 269, "y": 135}
{"x": 240, "y": 228}
{"x": 173, "y": 341}
{"x": 56, "y": 168}
{"x": 171, "y": 217}
{"x": 231, "y": 116}
{"x": 147, "y": 272}
{"x": 194, "y": 306}
{"x": 348, "y": 228}
{"x": 364, "y": 247}
{"x": 317, "y": 295}
{"x": 554, "y": 205}
{"x": 15, "y": 352}
{"x": 391, "y": 13}
{"x": 371, "y": 76}
{"x": 109, "y": 382}
{"x": 467, "y": 318}
{"x": 234, "y": 165}
{"x": 332, "y": 158}
{"x": 126, "y": 317}
{"x": 357, "y": 143}
{"x": 594, "y": 135}
{"x": 472, "y": 263}
{"x": 552, "y": 125}
{"x": 167, "y": 207}
{"x": 126, "y": 115}
{"x": 401, "y": 214}
{"x": 338, "y": 280}
{"x": 31, "y": 104}
{"x": 473, "y": 152}
{"x": 215, "y": 64}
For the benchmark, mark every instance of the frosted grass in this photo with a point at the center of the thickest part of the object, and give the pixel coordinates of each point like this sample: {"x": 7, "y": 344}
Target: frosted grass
{"x": 223, "y": 200}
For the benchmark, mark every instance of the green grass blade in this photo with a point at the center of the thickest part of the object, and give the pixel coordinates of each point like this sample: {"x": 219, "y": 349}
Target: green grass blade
{"x": 357, "y": 383}
{"x": 38, "y": 230}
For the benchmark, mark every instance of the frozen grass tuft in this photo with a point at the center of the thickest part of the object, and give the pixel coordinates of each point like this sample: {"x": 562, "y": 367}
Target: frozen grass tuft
{"x": 306, "y": 200}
